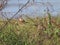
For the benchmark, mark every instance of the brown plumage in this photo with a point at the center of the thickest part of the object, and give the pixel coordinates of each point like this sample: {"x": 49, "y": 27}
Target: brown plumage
{"x": 21, "y": 20}
{"x": 2, "y": 4}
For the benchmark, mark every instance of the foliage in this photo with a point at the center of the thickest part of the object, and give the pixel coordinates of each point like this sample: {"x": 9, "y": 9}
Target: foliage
{"x": 34, "y": 31}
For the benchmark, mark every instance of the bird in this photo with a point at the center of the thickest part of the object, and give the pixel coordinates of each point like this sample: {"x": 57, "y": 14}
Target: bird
{"x": 21, "y": 20}
{"x": 2, "y": 4}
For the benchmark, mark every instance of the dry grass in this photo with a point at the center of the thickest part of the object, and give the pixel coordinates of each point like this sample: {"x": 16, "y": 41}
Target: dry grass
{"x": 35, "y": 32}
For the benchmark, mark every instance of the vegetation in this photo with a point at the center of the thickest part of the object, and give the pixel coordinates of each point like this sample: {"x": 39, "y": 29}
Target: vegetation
{"x": 34, "y": 31}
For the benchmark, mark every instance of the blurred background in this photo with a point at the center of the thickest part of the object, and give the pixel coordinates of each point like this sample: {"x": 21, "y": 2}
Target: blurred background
{"x": 36, "y": 9}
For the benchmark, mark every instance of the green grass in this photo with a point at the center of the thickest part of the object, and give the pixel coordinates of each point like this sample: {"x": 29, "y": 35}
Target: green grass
{"x": 30, "y": 33}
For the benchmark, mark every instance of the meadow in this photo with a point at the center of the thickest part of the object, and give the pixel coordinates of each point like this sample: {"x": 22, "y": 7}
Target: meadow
{"x": 34, "y": 31}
